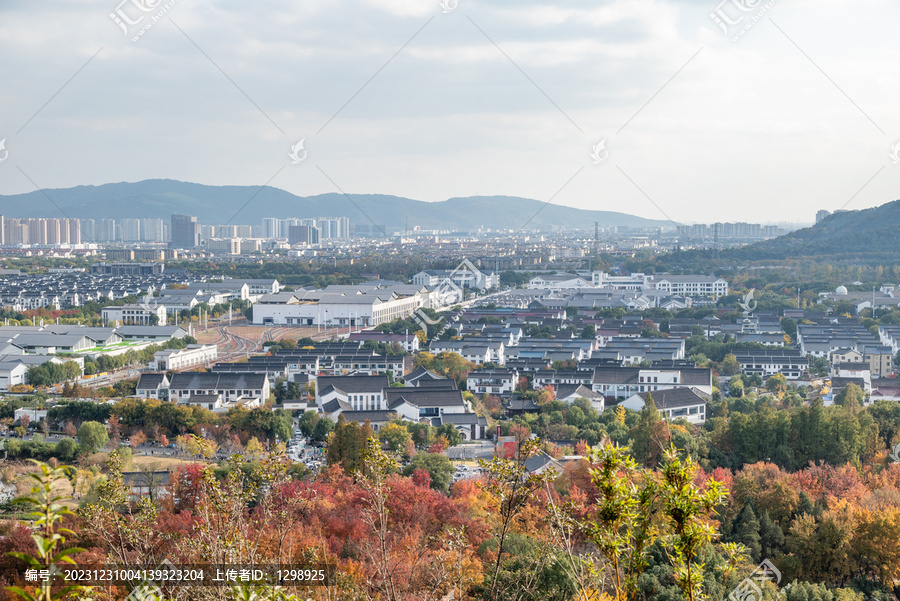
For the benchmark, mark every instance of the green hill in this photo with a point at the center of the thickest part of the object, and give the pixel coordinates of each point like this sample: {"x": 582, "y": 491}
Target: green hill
{"x": 868, "y": 235}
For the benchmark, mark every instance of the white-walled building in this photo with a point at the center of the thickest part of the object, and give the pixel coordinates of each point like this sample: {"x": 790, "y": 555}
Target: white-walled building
{"x": 492, "y": 381}
{"x": 687, "y": 403}
{"x": 334, "y": 309}
{"x": 682, "y": 285}
{"x": 135, "y": 315}
{"x": 190, "y": 356}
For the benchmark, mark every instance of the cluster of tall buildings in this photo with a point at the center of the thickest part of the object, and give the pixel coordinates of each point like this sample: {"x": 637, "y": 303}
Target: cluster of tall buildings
{"x": 40, "y": 231}
{"x": 720, "y": 231}
{"x": 123, "y": 230}
{"x": 188, "y": 232}
{"x": 182, "y": 231}
{"x": 325, "y": 228}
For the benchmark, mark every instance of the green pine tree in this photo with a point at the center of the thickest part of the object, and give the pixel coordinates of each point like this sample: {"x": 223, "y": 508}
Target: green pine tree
{"x": 649, "y": 435}
{"x": 771, "y": 538}
{"x": 746, "y": 532}
{"x": 805, "y": 507}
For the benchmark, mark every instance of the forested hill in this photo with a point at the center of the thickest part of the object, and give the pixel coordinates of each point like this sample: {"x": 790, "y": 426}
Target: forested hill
{"x": 869, "y": 235}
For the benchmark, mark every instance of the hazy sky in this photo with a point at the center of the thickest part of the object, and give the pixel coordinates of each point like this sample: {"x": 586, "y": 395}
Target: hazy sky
{"x": 800, "y": 113}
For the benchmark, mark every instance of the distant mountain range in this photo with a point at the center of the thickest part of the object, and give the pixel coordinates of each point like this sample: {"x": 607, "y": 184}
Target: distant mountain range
{"x": 215, "y": 205}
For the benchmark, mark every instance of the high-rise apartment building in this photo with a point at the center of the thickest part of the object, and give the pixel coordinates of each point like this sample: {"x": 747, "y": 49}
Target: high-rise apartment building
{"x": 270, "y": 227}
{"x": 185, "y": 231}
{"x": 131, "y": 230}
{"x": 152, "y": 230}
{"x": 303, "y": 234}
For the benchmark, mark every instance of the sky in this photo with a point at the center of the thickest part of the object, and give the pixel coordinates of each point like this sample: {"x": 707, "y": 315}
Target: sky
{"x": 648, "y": 107}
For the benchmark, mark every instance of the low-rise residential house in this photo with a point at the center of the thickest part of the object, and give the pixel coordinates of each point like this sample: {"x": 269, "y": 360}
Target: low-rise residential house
{"x": 368, "y": 364}
{"x": 551, "y": 377}
{"x": 857, "y": 371}
{"x": 152, "y": 386}
{"x": 12, "y": 373}
{"x": 492, "y": 381}
{"x": 420, "y": 374}
{"x": 625, "y": 382}
{"x": 541, "y": 462}
{"x": 839, "y": 383}
{"x": 880, "y": 359}
{"x": 890, "y": 392}
{"x": 359, "y": 392}
{"x": 377, "y": 419}
{"x": 845, "y": 355}
{"x": 527, "y": 364}
{"x": 234, "y": 387}
{"x": 417, "y": 403}
{"x": 150, "y": 484}
{"x": 478, "y": 351}
{"x": 760, "y": 338}
{"x": 637, "y": 350}
{"x": 569, "y": 393}
{"x": 688, "y": 403}
{"x": 408, "y": 342}
{"x": 768, "y": 362}
{"x": 472, "y": 426}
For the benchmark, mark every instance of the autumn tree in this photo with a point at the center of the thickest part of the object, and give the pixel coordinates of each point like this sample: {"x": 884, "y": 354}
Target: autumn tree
{"x": 512, "y": 485}
{"x": 396, "y": 436}
{"x": 114, "y": 428}
{"x": 776, "y": 383}
{"x": 137, "y": 439}
{"x": 729, "y": 365}
{"x": 253, "y": 450}
{"x": 451, "y": 434}
{"x": 347, "y": 444}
